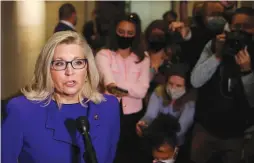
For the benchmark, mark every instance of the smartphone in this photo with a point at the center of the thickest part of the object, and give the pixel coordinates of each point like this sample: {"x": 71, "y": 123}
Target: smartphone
{"x": 120, "y": 90}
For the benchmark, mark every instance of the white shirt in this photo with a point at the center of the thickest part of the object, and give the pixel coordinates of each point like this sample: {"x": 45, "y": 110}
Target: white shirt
{"x": 67, "y": 23}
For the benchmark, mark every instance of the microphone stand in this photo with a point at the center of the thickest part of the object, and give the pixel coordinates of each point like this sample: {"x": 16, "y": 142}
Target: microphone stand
{"x": 89, "y": 154}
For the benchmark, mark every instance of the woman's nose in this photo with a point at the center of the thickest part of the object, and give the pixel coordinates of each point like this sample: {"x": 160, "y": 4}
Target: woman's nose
{"x": 69, "y": 70}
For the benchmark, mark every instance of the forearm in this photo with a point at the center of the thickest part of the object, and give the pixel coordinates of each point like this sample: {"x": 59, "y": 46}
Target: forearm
{"x": 186, "y": 119}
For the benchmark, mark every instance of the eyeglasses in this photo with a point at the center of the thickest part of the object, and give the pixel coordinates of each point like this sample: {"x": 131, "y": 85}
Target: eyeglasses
{"x": 62, "y": 65}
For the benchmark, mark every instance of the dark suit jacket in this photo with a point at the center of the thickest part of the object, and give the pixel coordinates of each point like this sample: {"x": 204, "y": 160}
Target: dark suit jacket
{"x": 62, "y": 27}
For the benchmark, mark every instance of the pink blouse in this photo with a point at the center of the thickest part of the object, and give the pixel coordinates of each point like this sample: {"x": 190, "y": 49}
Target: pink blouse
{"x": 127, "y": 74}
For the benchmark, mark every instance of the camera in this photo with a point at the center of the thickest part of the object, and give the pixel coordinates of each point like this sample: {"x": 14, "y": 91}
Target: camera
{"x": 173, "y": 37}
{"x": 235, "y": 41}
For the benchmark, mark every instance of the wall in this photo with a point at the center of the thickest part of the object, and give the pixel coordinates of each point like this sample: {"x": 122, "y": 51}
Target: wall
{"x": 149, "y": 10}
{"x": 23, "y": 35}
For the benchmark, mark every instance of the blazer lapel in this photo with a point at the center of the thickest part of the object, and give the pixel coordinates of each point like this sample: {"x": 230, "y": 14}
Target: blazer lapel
{"x": 60, "y": 126}
{"x": 63, "y": 130}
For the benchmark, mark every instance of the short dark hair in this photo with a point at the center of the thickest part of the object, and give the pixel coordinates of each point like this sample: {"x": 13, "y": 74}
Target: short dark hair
{"x": 137, "y": 47}
{"x": 160, "y": 24}
{"x": 171, "y": 12}
{"x": 65, "y": 11}
{"x": 246, "y": 11}
{"x": 161, "y": 131}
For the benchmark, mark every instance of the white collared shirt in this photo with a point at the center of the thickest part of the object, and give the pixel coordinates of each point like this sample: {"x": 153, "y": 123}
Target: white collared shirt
{"x": 67, "y": 23}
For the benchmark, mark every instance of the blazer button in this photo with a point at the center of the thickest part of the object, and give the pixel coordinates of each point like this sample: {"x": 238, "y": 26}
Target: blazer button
{"x": 96, "y": 117}
{"x": 124, "y": 105}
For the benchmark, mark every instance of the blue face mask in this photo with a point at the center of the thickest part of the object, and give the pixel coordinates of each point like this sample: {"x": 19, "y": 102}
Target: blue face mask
{"x": 216, "y": 24}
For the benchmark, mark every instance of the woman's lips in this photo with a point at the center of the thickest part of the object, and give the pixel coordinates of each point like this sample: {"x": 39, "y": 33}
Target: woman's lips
{"x": 71, "y": 83}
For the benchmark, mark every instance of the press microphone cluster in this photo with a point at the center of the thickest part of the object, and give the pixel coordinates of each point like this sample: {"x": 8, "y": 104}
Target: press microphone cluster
{"x": 83, "y": 127}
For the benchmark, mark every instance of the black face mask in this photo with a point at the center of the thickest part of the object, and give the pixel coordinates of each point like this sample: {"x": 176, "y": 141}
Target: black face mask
{"x": 124, "y": 42}
{"x": 156, "y": 42}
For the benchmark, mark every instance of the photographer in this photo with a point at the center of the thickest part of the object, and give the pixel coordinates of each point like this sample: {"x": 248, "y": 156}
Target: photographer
{"x": 225, "y": 81}
{"x": 210, "y": 19}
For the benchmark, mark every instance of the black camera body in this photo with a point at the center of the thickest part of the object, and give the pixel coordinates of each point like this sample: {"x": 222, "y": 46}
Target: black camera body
{"x": 235, "y": 41}
{"x": 173, "y": 37}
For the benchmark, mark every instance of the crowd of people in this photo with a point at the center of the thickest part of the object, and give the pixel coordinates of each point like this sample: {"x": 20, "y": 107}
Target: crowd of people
{"x": 176, "y": 92}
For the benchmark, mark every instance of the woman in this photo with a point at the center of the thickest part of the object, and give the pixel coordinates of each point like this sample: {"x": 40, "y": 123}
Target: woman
{"x": 155, "y": 38}
{"x": 172, "y": 98}
{"x": 160, "y": 138}
{"x": 124, "y": 65}
{"x": 40, "y": 126}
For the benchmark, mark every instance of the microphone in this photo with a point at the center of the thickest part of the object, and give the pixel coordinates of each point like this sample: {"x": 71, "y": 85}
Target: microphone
{"x": 83, "y": 127}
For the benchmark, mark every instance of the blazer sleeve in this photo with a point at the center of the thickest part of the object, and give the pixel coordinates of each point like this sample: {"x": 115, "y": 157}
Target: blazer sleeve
{"x": 12, "y": 134}
{"x": 115, "y": 129}
{"x": 139, "y": 89}
{"x": 102, "y": 60}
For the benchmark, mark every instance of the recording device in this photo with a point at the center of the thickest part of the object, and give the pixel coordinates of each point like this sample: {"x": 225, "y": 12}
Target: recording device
{"x": 235, "y": 41}
{"x": 173, "y": 37}
{"x": 83, "y": 127}
{"x": 173, "y": 41}
{"x": 143, "y": 128}
{"x": 115, "y": 90}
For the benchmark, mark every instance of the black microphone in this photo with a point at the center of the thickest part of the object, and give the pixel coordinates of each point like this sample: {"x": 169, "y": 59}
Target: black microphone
{"x": 83, "y": 127}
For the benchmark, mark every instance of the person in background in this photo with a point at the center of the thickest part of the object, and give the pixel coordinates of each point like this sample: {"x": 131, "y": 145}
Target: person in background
{"x": 124, "y": 69}
{"x": 169, "y": 16}
{"x": 155, "y": 40}
{"x": 211, "y": 21}
{"x": 225, "y": 82}
{"x": 197, "y": 18}
{"x": 160, "y": 138}
{"x": 41, "y": 124}
{"x": 94, "y": 32}
{"x": 67, "y": 18}
{"x": 174, "y": 98}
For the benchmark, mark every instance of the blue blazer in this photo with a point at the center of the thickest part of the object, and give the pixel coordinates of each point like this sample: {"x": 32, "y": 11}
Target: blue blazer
{"x": 32, "y": 133}
{"x": 62, "y": 27}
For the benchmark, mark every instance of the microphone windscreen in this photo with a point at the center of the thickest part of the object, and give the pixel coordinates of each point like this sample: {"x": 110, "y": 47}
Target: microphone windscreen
{"x": 82, "y": 123}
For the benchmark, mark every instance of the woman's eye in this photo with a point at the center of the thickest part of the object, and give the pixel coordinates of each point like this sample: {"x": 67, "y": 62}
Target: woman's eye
{"x": 59, "y": 63}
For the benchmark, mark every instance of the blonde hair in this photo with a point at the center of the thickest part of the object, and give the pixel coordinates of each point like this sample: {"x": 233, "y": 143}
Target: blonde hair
{"x": 41, "y": 87}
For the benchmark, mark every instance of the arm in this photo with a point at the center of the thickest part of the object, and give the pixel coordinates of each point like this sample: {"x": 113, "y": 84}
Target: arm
{"x": 248, "y": 85}
{"x": 115, "y": 129}
{"x": 102, "y": 60}
{"x": 139, "y": 89}
{"x": 152, "y": 109}
{"x": 12, "y": 136}
{"x": 186, "y": 118}
{"x": 205, "y": 67}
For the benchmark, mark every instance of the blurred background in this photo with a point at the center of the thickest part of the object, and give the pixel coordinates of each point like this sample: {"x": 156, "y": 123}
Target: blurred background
{"x": 26, "y": 25}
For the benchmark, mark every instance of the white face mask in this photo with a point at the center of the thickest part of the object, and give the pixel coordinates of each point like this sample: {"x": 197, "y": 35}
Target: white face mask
{"x": 166, "y": 161}
{"x": 175, "y": 93}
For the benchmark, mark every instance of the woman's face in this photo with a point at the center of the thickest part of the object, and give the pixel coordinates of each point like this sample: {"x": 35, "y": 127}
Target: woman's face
{"x": 126, "y": 29}
{"x": 164, "y": 152}
{"x": 176, "y": 82}
{"x": 68, "y": 81}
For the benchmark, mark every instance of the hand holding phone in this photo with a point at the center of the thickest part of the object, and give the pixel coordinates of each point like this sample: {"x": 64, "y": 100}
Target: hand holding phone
{"x": 117, "y": 91}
